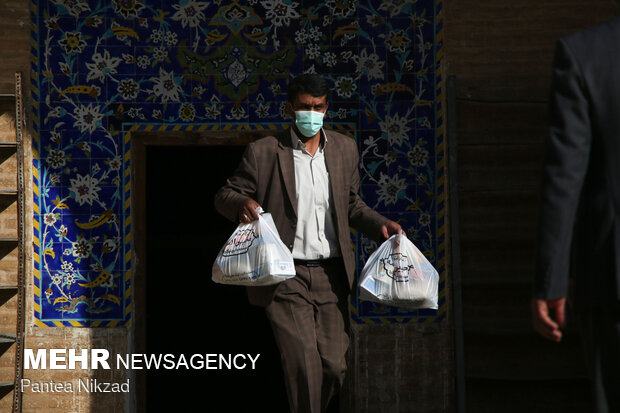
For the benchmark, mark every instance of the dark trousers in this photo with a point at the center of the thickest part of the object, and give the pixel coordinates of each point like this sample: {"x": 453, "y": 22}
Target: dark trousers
{"x": 600, "y": 329}
{"x": 310, "y": 322}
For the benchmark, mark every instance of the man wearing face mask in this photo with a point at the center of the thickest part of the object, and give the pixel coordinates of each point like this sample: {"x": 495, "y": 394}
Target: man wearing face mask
{"x": 307, "y": 178}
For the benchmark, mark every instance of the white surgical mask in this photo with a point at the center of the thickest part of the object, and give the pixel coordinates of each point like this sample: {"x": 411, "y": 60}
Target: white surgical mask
{"x": 309, "y": 122}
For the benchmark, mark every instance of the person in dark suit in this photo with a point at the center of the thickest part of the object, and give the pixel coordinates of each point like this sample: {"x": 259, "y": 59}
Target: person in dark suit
{"x": 581, "y": 185}
{"x": 307, "y": 179}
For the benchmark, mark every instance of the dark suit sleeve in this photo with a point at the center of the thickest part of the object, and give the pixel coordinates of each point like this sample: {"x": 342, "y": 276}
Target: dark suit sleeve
{"x": 238, "y": 187}
{"x": 361, "y": 216}
{"x": 566, "y": 162}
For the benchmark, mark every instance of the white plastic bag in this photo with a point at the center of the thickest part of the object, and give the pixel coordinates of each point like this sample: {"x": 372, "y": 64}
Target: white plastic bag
{"x": 254, "y": 255}
{"x": 398, "y": 274}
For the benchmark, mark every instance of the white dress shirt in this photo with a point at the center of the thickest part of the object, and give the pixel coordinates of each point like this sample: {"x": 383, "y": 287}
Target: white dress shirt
{"x": 315, "y": 236}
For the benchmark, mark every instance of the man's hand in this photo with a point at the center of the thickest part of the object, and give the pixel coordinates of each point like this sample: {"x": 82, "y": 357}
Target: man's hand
{"x": 247, "y": 212}
{"x": 545, "y": 323}
{"x": 390, "y": 228}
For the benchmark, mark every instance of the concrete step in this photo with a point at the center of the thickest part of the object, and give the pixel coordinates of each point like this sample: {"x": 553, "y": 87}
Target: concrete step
{"x": 7, "y": 292}
{"x": 7, "y": 198}
{"x": 500, "y": 306}
{"x": 500, "y": 123}
{"x": 7, "y": 149}
{"x": 6, "y": 341}
{"x": 7, "y": 118}
{"x": 539, "y": 396}
{"x": 8, "y": 167}
{"x": 510, "y": 167}
{"x": 487, "y": 213}
{"x": 522, "y": 356}
{"x": 7, "y": 245}
{"x": 6, "y": 388}
{"x": 493, "y": 259}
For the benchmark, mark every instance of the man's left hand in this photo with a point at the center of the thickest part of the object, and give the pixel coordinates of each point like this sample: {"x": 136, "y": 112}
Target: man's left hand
{"x": 390, "y": 228}
{"x": 548, "y": 317}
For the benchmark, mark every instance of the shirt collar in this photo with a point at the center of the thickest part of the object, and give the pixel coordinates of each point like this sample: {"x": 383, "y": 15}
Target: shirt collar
{"x": 298, "y": 144}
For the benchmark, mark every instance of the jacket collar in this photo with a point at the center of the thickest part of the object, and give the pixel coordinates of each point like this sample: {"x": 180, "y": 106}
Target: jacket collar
{"x": 287, "y": 166}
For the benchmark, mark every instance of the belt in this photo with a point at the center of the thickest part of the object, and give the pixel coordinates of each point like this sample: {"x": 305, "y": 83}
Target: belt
{"x": 316, "y": 263}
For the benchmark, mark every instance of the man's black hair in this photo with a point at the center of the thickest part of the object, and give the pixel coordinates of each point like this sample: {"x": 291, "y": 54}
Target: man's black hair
{"x": 314, "y": 85}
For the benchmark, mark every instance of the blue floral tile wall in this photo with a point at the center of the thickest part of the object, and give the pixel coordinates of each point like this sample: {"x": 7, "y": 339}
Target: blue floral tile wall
{"x": 102, "y": 69}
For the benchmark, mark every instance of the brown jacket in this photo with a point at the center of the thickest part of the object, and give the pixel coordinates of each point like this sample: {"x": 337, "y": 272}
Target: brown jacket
{"x": 267, "y": 175}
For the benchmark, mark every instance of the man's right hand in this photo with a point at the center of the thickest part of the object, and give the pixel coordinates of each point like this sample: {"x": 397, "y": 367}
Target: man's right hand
{"x": 548, "y": 317}
{"x": 248, "y": 211}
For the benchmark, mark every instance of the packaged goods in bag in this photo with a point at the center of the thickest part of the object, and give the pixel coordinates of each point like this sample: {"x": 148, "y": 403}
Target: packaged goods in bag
{"x": 398, "y": 274}
{"x": 254, "y": 255}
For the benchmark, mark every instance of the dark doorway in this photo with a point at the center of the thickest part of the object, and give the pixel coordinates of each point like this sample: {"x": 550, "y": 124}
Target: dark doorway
{"x": 186, "y": 313}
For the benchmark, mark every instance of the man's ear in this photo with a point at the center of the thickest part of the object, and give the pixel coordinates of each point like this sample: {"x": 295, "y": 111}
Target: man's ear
{"x": 289, "y": 109}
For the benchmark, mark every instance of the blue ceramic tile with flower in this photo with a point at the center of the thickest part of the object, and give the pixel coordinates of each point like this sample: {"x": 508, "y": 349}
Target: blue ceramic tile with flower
{"x": 104, "y": 66}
